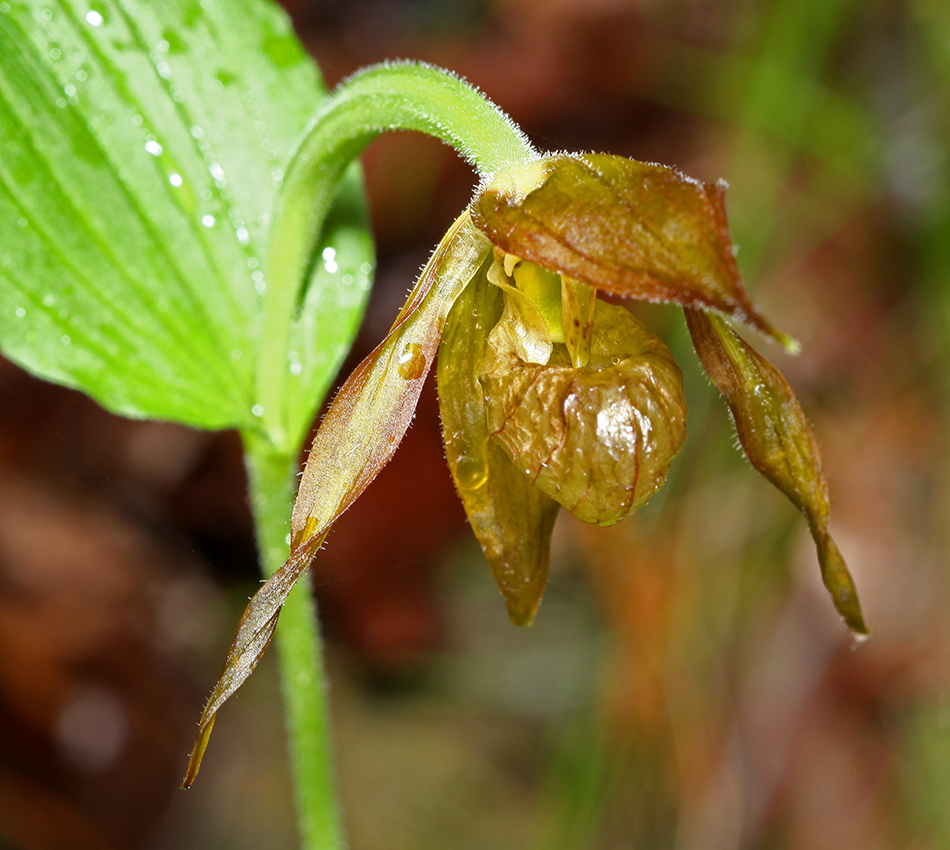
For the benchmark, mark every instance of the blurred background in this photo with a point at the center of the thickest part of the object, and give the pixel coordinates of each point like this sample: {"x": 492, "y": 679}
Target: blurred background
{"x": 687, "y": 684}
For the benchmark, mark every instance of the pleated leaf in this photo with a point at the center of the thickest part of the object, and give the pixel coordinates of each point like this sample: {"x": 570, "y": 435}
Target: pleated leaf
{"x": 141, "y": 148}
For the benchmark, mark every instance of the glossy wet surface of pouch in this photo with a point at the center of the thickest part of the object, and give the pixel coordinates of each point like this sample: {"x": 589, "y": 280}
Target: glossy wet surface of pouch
{"x": 599, "y": 439}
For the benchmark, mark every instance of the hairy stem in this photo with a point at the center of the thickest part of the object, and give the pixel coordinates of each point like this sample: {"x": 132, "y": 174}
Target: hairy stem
{"x": 394, "y": 96}
{"x": 272, "y": 482}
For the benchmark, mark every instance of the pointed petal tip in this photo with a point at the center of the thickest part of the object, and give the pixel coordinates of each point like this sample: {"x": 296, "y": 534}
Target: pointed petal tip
{"x": 789, "y": 343}
{"x": 519, "y": 613}
{"x": 854, "y": 620}
{"x": 198, "y": 751}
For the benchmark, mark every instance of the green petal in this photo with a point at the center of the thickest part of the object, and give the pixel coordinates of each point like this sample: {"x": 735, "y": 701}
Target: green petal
{"x": 778, "y": 440}
{"x": 359, "y": 435}
{"x": 511, "y": 519}
{"x": 631, "y": 228}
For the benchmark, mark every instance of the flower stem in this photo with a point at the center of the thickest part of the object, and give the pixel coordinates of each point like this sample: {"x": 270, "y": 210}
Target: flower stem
{"x": 392, "y": 96}
{"x": 272, "y": 483}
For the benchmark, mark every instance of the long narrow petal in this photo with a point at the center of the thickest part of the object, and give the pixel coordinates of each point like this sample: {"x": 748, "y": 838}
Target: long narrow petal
{"x": 511, "y": 519}
{"x": 372, "y": 411}
{"x": 254, "y": 633}
{"x": 358, "y": 436}
{"x": 631, "y": 228}
{"x": 778, "y": 440}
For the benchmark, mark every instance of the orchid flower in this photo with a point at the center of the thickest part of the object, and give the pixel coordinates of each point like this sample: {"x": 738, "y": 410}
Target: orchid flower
{"x": 550, "y": 396}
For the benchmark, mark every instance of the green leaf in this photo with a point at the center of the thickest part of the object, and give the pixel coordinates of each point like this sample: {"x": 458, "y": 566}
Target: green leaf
{"x": 141, "y": 149}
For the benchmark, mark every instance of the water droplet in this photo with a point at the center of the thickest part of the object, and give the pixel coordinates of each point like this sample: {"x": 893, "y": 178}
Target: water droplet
{"x": 81, "y": 75}
{"x": 153, "y": 147}
{"x": 252, "y": 263}
{"x": 257, "y": 410}
{"x": 175, "y": 179}
{"x": 22, "y": 222}
{"x": 20, "y": 312}
{"x": 94, "y": 19}
{"x": 296, "y": 367}
{"x": 49, "y": 300}
{"x": 4, "y": 8}
{"x": 55, "y": 53}
{"x": 65, "y": 339}
{"x": 347, "y": 280}
{"x": 365, "y": 268}
{"x": 136, "y": 120}
{"x": 472, "y": 472}
{"x": 61, "y": 102}
{"x": 411, "y": 361}
{"x": 206, "y": 194}
{"x": 243, "y": 236}
{"x": 236, "y": 354}
{"x": 282, "y": 49}
{"x": 331, "y": 266}
{"x": 172, "y": 41}
{"x": 207, "y": 220}
{"x": 328, "y": 253}
{"x": 47, "y": 14}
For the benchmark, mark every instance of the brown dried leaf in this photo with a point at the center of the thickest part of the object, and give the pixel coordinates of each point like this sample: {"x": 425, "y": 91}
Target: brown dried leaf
{"x": 779, "y": 442}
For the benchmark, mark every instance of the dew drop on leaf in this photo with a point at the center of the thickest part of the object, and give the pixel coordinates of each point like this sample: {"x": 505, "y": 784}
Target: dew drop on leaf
{"x": 472, "y": 472}
{"x": 411, "y": 361}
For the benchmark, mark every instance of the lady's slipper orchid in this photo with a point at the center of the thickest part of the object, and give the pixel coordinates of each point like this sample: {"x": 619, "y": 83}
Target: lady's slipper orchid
{"x": 550, "y": 396}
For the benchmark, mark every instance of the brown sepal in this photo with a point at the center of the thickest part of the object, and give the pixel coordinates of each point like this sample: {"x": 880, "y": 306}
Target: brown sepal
{"x": 779, "y": 442}
{"x": 635, "y": 229}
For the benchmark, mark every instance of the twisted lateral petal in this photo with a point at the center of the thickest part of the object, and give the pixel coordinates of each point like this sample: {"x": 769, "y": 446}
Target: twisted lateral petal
{"x": 512, "y": 519}
{"x": 778, "y": 440}
{"x": 635, "y": 229}
{"x": 370, "y": 414}
{"x": 253, "y": 635}
{"x": 600, "y": 439}
{"x": 358, "y": 436}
